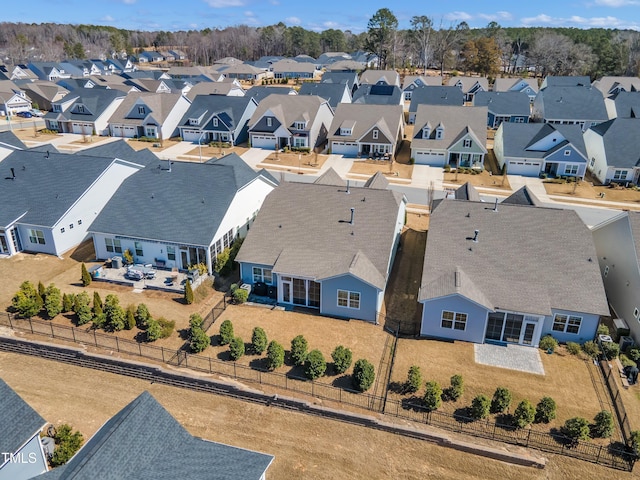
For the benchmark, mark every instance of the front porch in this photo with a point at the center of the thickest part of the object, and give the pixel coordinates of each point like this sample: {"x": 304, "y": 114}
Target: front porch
{"x": 466, "y": 160}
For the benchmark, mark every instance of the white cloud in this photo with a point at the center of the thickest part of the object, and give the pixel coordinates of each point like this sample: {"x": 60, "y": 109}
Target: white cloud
{"x": 224, "y": 3}
{"x": 538, "y": 19}
{"x": 129, "y": 2}
{"x": 496, "y": 17}
{"x": 330, "y": 24}
{"x": 293, "y": 21}
{"x": 616, "y": 3}
{"x": 579, "y": 21}
{"x": 458, "y": 17}
{"x": 107, "y": 18}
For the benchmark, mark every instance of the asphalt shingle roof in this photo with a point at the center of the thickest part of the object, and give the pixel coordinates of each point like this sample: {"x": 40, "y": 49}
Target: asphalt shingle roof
{"x": 436, "y": 95}
{"x": 377, "y": 95}
{"x": 229, "y": 109}
{"x": 621, "y": 138}
{"x": 45, "y": 188}
{"x": 303, "y": 229}
{"x": 527, "y": 259}
{"x": 504, "y": 103}
{"x": 363, "y": 117}
{"x": 454, "y": 120}
{"x": 158, "y": 105}
{"x": 18, "y": 421}
{"x": 332, "y": 92}
{"x": 143, "y": 441}
{"x": 183, "y": 205}
{"x": 518, "y": 138}
{"x": 572, "y": 103}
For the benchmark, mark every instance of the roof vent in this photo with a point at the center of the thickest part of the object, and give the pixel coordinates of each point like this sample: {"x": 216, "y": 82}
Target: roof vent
{"x": 495, "y": 206}
{"x": 353, "y": 210}
{"x": 456, "y": 277}
{"x": 475, "y": 235}
{"x": 348, "y": 191}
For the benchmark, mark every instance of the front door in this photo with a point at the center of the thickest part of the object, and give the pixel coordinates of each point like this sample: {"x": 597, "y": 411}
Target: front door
{"x": 4, "y": 248}
{"x": 184, "y": 256}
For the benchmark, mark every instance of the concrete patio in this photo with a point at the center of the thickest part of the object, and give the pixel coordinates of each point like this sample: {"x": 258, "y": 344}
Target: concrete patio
{"x": 166, "y": 280}
{"x": 513, "y": 357}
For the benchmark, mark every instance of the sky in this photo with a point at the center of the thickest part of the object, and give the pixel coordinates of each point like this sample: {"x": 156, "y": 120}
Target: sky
{"x": 172, "y": 15}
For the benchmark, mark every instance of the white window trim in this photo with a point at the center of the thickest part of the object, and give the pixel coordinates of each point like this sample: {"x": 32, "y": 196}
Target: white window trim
{"x": 375, "y": 134}
{"x": 606, "y": 271}
{"x": 215, "y": 122}
{"x": 260, "y": 276}
{"x": 566, "y": 323}
{"x": 348, "y": 299}
{"x": 466, "y": 143}
{"x": 455, "y": 319}
{"x": 569, "y": 169}
{"x": 636, "y": 314}
{"x": 269, "y": 122}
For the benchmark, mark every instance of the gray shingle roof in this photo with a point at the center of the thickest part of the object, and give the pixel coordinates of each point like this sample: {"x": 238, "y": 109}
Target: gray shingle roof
{"x": 158, "y": 105}
{"x": 454, "y": 120}
{"x": 377, "y": 95}
{"x": 572, "y": 103}
{"x": 621, "y": 138}
{"x": 10, "y": 140}
{"x": 436, "y": 95}
{"x": 504, "y": 103}
{"x": 523, "y": 196}
{"x": 566, "y": 81}
{"x": 518, "y": 138}
{"x": 44, "y": 188}
{"x": 634, "y": 222}
{"x": 377, "y": 180}
{"x": 362, "y": 118}
{"x": 467, "y": 192}
{"x": 467, "y": 83}
{"x": 350, "y": 78}
{"x": 527, "y": 259}
{"x": 332, "y": 92}
{"x": 184, "y": 205}
{"x": 304, "y": 229}
{"x": 627, "y": 104}
{"x": 143, "y": 441}
{"x": 121, "y": 149}
{"x": 259, "y": 93}
{"x": 18, "y": 421}
{"x": 506, "y": 84}
{"x": 95, "y": 101}
{"x": 228, "y": 109}
{"x": 372, "y": 77}
{"x": 330, "y": 177}
{"x": 287, "y": 109}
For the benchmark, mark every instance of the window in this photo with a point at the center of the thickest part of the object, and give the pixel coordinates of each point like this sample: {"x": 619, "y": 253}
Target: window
{"x": 79, "y": 222}
{"x": 571, "y": 169}
{"x": 566, "y": 323}
{"x": 171, "y": 252}
{"x": 113, "y": 245}
{"x": 606, "y": 271}
{"x": 348, "y": 299}
{"x": 71, "y": 226}
{"x": 619, "y": 174}
{"x": 36, "y": 236}
{"x": 467, "y": 143}
{"x": 150, "y": 131}
{"x": 439, "y": 133}
{"x": 194, "y": 121}
{"x": 567, "y": 153}
{"x": 62, "y": 230}
{"x": 299, "y": 125}
{"x": 262, "y": 275}
{"x": 375, "y": 134}
{"x": 138, "y": 249}
{"x": 269, "y": 122}
{"x": 80, "y": 109}
{"x": 593, "y": 162}
{"x": 141, "y": 109}
{"x": 518, "y": 120}
{"x": 636, "y": 313}
{"x": 215, "y": 122}
{"x": 455, "y": 320}
{"x": 345, "y": 131}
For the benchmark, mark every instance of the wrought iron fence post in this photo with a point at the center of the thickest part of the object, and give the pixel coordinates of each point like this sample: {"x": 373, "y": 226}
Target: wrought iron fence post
{"x": 186, "y": 359}
{"x": 234, "y": 370}
{"x": 162, "y": 350}
{"x": 117, "y": 345}
{"x": 599, "y": 452}
{"x": 528, "y": 437}
{"x": 73, "y": 333}
{"x": 30, "y": 325}
{"x": 140, "y": 349}
{"x": 52, "y": 334}
{"x": 95, "y": 338}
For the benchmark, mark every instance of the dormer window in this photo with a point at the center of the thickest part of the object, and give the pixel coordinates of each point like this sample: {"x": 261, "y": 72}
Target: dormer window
{"x": 299, "y": 125}
{"x": 215, "y": 122}
{"x": 57, "y": 108}
{"x": 80, "y": 109}
{"x": 467, "y": 143}
{"x": 141, "y": 110}
{"x": 194, "y": 121}
{"x": 269, "y": 122}
{"x": 439, "y": 133}
{"x": 375, "y": 134}
{"x": 345, "y": 132}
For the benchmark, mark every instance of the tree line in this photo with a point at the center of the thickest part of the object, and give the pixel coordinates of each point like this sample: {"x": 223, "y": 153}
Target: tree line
{"x": 428, "y": 43}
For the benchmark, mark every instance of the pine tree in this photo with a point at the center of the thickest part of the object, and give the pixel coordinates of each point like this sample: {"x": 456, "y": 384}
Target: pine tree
{"x": 188, "y": 293}
{"x": 86, "y": 278}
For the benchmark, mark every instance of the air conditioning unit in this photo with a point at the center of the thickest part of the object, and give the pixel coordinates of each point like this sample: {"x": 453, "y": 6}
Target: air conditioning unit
{"x": 620, "y": 327}
{"x": 605, "y": 338}
{"x": 625, "y": 342}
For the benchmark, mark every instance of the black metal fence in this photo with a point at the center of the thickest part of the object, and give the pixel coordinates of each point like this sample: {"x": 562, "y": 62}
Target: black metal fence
{"x": 610, "y": 375}
{"x": 214, "y": 314}
{"x": 611, "y": 455}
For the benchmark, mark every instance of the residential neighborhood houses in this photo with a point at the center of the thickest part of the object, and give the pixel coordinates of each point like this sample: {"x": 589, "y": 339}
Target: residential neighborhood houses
{"x": 500, "y": 265}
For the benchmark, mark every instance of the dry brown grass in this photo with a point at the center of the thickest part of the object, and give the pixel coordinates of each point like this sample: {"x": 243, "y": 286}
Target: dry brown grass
{"x": 566, "y": 378}
{"x": 309, "y": 160}
{"x": 304, "y": 446}
{"x": 209, "y": 152}
{"x": 587, "y": 190}
{"x": 29, "y": 135}
{"x": 139, "y": 145}
{"x": 482, "y": 179}
{"x": 390, "y": 169}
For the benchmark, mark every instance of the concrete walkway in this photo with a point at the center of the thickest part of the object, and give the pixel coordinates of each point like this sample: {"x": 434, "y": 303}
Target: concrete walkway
{"x": 179, "y": 149}
{"x": 513, "y": 357}
{"x": 534, "y": 184}
{"x": 254, "y": 156}
{"x": 423, "y": 175}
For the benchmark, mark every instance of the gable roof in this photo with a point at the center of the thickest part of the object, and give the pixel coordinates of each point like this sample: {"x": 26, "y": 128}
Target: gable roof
{"x": 565, "y": 81}
{"x": 371, "y": 77}
{"x": 523, "y": 196}
{"x": 456, "y": 121}
{"x": 350, "y": 78}
{"x": 434, "y": 80}
{"x": 288, "y": 65}
{"x": 288, "y": 109}
{"x": 259, "y": 92}
{"x": 527, "y": 259}
{"x": 160, "y": 197}
{"x": 123, "y": 150}
{"x": 95, "y": 101}
{"x": 362, "y": 118}
{"x": 436, "y": 95}
{"x": 157, "y": 105}
{"x": 508, "y": 84}
{"x": 18, "y": 421}
{"x": 144, "y": 441}
{"x": 8, "y": 139}
{"x": 378, "y": 95}
{"x": 519, "y": 138}
{"x": 332, "y": 92}
{"x": 572, "y": 103}
{"x": 229, "y": 109}
{"x": 346, "y": 66}
{"x": 46, "y": 185}
{"x": 330, "y": 177}
{"x": 608, "y": 83}
{"x": 303, "y": 229}
{"x": 627, "y": 104}
{"x": 467, "y": 83}
{"x": 504, "y": 103}
{"x": 467, "y": 192}
{"x": 378, "y": 181}
{"x": 621, "y": 140}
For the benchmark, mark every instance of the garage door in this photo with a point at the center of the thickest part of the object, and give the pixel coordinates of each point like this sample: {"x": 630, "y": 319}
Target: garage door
{"x": 128, "y": 132}
{"x": 82, "y": 128}
{"x": 259, "y": 141}
{"x": 191, "y": 135}
{"x": 348, "y": 149}
{"x": 429, "y": 158}
{"x": 526, "y": 169}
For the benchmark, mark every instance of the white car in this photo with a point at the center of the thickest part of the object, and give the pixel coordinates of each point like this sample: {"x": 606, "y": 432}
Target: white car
{"x": 37, "y": 113}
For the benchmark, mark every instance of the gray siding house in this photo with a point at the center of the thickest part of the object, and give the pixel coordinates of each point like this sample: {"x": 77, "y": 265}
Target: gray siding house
{"x": 325, "y": 247}
{"x": 511, "y": 274}
{"x": 618, "y": 245}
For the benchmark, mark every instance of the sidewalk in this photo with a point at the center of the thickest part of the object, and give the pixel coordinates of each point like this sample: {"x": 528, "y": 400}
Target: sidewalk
{"x": 179, "y": 149}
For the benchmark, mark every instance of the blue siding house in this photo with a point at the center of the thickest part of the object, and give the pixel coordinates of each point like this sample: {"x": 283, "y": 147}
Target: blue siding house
{"x": 325, "y": 245}
{"x": 511, "y": 274}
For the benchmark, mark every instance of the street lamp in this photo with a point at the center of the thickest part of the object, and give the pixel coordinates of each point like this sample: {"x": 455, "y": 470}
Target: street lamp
{"x": 6, "y": 111}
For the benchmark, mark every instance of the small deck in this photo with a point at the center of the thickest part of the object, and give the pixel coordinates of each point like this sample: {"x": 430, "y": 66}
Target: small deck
{"x": 165, "y": 280}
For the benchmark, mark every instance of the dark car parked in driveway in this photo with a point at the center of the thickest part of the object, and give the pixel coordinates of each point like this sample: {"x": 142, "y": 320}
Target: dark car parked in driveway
{"x": 25, "y": 114}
